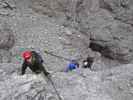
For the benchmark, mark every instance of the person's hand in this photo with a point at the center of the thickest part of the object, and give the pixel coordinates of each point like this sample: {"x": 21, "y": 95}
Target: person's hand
{"x": 47, "y": 74}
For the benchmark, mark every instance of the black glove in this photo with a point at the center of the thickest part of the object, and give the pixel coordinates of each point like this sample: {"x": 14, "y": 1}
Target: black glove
{"x": 47, "y": 73}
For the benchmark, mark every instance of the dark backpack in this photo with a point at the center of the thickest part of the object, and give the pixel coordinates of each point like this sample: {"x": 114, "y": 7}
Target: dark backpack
{"x": 38, "y": 56}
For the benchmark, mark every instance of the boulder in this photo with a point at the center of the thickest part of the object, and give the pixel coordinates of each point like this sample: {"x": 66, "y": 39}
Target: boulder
{"x": 7, "y": 41}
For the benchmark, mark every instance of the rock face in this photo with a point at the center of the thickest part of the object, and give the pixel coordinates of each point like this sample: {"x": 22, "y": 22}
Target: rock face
{"x": 7, "y": 8}
{"x": 7, "y": 38}
{"x": 72, "y": 29}
{"x": 106, "y": 23}
{"x": 121, "y": 9}
{"x": 113, "y": 39}
{"x": 7, "y": 41}
{"x": 87, "y": 25}
{"x": 65, "y": 11}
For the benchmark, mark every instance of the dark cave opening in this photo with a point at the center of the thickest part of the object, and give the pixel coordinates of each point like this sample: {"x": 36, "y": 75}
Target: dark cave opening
{"x": 96, "y": 47}
{"x": 103, "y": 49}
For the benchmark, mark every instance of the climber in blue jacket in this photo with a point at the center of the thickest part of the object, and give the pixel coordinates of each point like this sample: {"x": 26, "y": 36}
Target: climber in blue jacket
{"x": 72, "y": 65}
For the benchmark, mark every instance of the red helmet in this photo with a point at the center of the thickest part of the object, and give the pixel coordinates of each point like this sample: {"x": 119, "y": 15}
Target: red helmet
{"x": 27, "y": 54}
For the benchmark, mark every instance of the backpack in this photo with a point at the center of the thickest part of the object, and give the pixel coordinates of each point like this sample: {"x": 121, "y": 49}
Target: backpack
{"x": 38, "y": 56}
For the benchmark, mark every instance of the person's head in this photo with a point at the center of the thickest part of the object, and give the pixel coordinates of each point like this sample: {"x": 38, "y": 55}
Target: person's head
{"x": 85, "y": 63}
{"x": 27, "y": 55}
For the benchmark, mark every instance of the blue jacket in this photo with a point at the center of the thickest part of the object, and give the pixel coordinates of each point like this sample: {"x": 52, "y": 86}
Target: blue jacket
{"x": 71, "y": 66}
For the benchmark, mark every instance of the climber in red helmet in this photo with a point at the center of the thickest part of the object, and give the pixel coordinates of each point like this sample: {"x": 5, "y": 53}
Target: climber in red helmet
{"x": 34, "y": 61}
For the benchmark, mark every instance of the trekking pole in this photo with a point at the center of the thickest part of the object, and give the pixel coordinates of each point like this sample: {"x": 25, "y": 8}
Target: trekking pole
{"x": 59, "y": 57}
{"x": 52, "y": 83}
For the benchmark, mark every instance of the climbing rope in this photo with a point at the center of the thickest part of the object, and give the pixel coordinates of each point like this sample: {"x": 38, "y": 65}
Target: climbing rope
{"x": 53, "y": 85}
{"x": 59, "y": 57}
{"x": 49, "y": 78}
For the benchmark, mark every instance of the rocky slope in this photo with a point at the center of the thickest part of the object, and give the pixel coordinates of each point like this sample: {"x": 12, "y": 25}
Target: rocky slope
{"x": 114, "y": 84}
{"x": 73, "y": 29}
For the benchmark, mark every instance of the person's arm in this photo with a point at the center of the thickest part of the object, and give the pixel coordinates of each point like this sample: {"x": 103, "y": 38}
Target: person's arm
{"x": 77, "y": 65}
{"x": 43, "y": 69}
{"x": 24, "y": 66}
